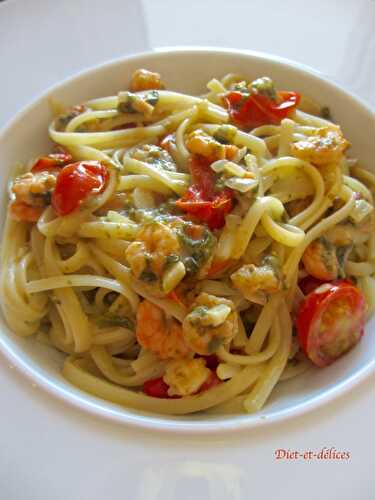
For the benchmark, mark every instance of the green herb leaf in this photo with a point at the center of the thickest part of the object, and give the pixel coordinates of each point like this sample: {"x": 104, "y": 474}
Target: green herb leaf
{"x": 106, "y": 320}
{"x": 152, "y": 97}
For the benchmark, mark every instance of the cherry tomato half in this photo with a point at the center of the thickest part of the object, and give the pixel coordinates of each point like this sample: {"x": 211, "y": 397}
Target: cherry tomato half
{"x": 75, "y": 183}
{"x": 201, "y": 199}
{"x": 255, "y": 110}
{"x": 51, "y": 162}
{"x": 330, "y": 321}
{"x": 211, "y": 382}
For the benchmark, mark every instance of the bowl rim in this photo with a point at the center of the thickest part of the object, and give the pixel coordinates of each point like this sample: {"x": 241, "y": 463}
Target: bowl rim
{"x": 104, "y": 409}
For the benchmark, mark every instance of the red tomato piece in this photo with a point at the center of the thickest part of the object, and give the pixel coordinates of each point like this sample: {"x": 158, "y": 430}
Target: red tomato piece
{"x": 174, "y": 295}
{"x": 218, "y": 266}
{"x": 75, "y": 183}
{"x": 309, "y": 283}
{"x": 212, "y": 381}
{"x": 51, "y": 162}
{"x": 254, "y": 110}
{"x": 156, "y": 388}
{"x": 330, "y": 321}
{"x": 202, "y": 175}
{"x": 201, "y": 200}
{"x": 212, "y": 212}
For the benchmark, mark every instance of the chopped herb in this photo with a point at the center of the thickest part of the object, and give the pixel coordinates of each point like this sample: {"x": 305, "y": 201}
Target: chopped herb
{"x": 152, "y": 97}
{"x": 225, "y": 134}
{"x": 220, "y": 184}
{"x": 199, "y": 249}
{"x": 328, "y": 253}
{"x": 191, "y": 265}
{"x": 170, "y": 260}
{"x": 241, "y": 87}
{"x": 64, "y": 119}
{"x": 264, "y": 86}
{"x": 159, "y": 157}
{"x": 197, "y": 314}
{"x": 201, "y": 311}
{"x": 272, "y": 261}
{"x": 112, "y": 320}
{"x": 126, "y": 103}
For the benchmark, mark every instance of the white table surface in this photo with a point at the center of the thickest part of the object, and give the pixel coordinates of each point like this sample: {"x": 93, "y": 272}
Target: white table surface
{"x": 49, "y": 451}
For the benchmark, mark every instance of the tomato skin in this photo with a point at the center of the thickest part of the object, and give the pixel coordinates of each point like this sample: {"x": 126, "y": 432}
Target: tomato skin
{"x": 75, "y": 183}
{"x": 255, "y": 110}
{"x": 203, "y": 177}
{"x": 201, "y": 200}
{"x": 309, "y": 284}
{"x": 51, "y": 162}
{"x": 211, "y": 382}
{"x": 348, "y": 309}
{"x": 176, "y": 297}
{"x": 156, "y": 388}
{"x": 211, "y": 212}
{"x": 218, "y": 266}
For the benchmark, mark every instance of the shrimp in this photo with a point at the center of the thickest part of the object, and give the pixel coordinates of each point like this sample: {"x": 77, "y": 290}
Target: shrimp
{"x": 198, "y": 142}
{"x": 32, "y": 193}
{"x": 212, "y": 322}
{"x": 320, "y": 260}
{"x": 22, "y": 212}
{"x": 155, "y": 245}
{"x": 326, "y": 147}
{"x": 142, "y": 79}
{"x": 162, "y": 335}
{"x": 186, "y": 376}
{"x": 257, "y": 282}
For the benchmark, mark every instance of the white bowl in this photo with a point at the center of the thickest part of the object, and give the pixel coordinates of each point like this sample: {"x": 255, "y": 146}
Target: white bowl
{"x": 188, "y": 70}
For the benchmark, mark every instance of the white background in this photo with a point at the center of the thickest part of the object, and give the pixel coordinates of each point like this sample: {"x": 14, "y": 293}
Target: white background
{"x": 49, "y": 451}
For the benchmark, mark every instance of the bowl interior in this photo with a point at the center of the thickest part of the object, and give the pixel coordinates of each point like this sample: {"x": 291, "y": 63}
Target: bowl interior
{"x": 187, "y": 71}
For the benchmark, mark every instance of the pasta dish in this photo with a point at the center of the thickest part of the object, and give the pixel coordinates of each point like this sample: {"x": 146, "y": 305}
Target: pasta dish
{"x": 188, "y": 253}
